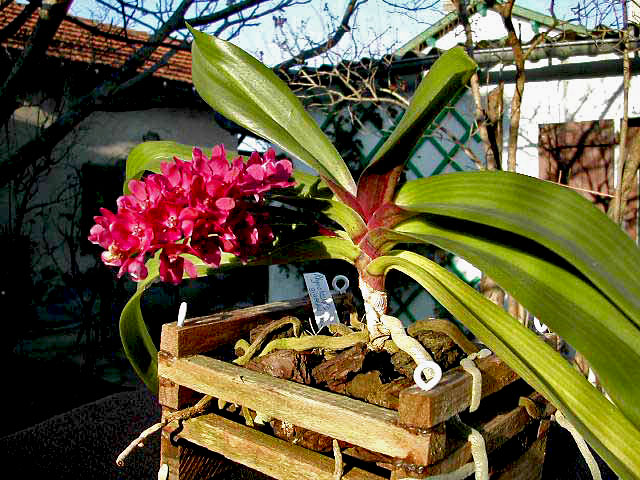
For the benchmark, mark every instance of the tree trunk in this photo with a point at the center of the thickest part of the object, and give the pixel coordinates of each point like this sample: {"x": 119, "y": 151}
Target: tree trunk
{"x": 52, "y": 13}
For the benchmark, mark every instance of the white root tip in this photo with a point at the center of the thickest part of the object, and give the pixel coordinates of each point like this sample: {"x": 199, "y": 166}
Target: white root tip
{"x": 182, "y": 314}
{"x": 433, "y": 379}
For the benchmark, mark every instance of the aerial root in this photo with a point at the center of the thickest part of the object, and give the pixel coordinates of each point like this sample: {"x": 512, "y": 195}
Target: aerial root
{"x": 183, "y": 414}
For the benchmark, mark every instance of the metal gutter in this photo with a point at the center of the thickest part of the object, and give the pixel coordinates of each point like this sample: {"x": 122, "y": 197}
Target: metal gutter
{"x": 488, "y": 58}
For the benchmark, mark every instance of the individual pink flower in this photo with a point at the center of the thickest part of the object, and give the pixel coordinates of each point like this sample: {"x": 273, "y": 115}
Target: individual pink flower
{"x": 173, "y": 266}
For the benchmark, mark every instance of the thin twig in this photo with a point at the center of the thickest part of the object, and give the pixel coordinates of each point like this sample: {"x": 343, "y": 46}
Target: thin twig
{"x": 183, "y": 414}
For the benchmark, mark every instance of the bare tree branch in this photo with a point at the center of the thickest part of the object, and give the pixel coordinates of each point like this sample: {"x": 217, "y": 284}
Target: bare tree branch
{"x": 232, "y": 9}
{"x": 119, "y": 34}
{"x": 328, "y": 44}
{"x": 618, "y": 206}
{"x": 82, "y": 107}
{"x": 491, "y": 143}
{"x": 236, "y": 15}
{"x": 52, "y": 13}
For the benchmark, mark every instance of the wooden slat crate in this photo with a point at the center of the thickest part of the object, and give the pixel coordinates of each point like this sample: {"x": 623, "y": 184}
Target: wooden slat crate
{"x": 417, "y": 437}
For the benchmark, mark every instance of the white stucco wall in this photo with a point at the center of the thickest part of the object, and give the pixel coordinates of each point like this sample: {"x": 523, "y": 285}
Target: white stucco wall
{"x": 565, "y": 100}
{"x": 550, "y": 101}
{"x": 487, "y": 27}
{"x": 103, "y": 138}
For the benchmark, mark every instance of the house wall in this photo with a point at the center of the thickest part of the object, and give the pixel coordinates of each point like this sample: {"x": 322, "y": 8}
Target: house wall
{"x": 559, "y": 101}
{"x": 104, "y": 138}
{"x": 551, "y": 101}
{"x": 487, "y": 27}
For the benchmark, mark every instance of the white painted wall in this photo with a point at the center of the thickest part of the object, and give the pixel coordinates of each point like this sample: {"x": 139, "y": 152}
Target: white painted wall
{"x": 487, "y": 27}
{"x": 102, "y": 138}
{"x": 552, "y": 101}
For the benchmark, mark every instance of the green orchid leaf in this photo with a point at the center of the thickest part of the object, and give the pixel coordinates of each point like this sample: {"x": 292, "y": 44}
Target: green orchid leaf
{"x": 560, "y": 297}
{"x": 148, "y": 156}
{"x": 136, "y": 340}
{"x": 245, "y": 91}
{"x": 308, "y": 185}
{"x": 446, "y": 78}
{"x": 603, "y": 425}
{"x": 344, "y": 216}
{"x": 553, "y": 216}
{"x": 314, "y": 248}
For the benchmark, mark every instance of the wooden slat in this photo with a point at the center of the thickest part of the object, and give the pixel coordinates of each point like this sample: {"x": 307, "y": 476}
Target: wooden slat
{"x": 187, "y": 461}
{"x": 203, "y": 334}
{"x": 496, "y": 432}
{"x": 453, "y": 394}
{"x": 175, "y": 396}
{"x": 369, "y": 426}
{"x": 528, "y": 466}
{"x": 262, "y": 452}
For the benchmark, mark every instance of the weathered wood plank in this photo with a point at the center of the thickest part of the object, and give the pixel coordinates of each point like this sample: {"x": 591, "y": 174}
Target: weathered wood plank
{"x": 203, "y": 334}
{"x": 369, "y": 426}
{"x": 452, "y": 395}
{"x": 187, "y": 462}
{"x": 528, "y": 466}
{"x": 175, "y": 396}
{"x": 495, "y": 432}
{"x": 257, "y": 450}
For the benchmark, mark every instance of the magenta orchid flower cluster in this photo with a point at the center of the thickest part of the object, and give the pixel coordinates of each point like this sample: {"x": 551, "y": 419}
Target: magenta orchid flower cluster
{"x": 203, "y": 207}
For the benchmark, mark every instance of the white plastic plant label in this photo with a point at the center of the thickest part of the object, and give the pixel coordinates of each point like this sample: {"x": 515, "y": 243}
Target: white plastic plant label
{"x": 324, "y": 310}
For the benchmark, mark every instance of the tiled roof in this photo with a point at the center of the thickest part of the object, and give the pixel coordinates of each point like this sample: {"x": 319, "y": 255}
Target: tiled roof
{"x": 72, "y": 42}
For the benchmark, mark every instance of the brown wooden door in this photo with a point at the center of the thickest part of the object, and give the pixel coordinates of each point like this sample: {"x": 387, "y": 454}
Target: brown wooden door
{"x": 580, "y": 155}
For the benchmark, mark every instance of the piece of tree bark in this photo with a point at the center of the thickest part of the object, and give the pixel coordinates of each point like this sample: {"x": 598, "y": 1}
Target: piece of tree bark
{"x": 285, "y": 331}
{"x": 286, "y": 364}
{"x": 369, "y": 387}
{"x": 301, "y": 436}
{"x": 336, "y": 371}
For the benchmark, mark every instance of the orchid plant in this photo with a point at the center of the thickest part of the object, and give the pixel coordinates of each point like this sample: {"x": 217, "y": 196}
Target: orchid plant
{"x": 563, "y": 259}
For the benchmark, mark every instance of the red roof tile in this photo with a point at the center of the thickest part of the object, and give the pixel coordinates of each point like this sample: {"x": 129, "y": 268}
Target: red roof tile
{"x": 75, "y": 43}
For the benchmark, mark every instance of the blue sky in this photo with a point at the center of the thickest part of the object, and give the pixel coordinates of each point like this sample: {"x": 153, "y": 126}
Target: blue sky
{"x": 378, "y": 28}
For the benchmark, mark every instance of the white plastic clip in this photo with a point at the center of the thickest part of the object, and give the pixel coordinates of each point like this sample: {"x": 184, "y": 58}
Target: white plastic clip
{"x": 345, "y": 284}
{"x": 182, "y": 314}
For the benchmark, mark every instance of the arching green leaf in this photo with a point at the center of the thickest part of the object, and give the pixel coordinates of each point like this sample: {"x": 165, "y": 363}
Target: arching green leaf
{"x": 308, "y": 185}
{"x": 548, "y": 214}
{"x": 560, "y": 297}
{"x": 444, "y": 81}
{"x": 314, "y": 248}
{"x": 250, "y": 94}
{"x": 606, "y": 429}
{"x": 343, "y": 215}
{"x": 134, "y": 334}
{"x": 147, "y": 157}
